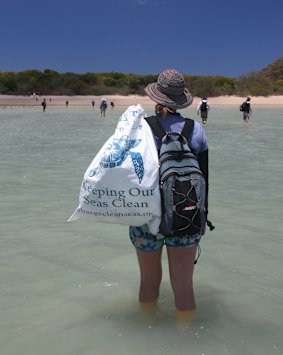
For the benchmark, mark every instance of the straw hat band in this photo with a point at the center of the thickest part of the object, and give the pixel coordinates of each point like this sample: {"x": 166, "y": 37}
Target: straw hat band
{"x": 173, "y": 90}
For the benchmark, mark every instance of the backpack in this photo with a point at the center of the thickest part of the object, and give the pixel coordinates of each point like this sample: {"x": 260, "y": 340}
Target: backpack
{"x": 243, "y": 107}
{"x": 182, "y": 184}
{"x": 103, "y": 105}
{"x": 203, "y": 106}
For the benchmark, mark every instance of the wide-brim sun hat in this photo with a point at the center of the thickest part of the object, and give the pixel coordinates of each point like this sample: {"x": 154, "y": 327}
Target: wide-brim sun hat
{"x": 170, "y": 90}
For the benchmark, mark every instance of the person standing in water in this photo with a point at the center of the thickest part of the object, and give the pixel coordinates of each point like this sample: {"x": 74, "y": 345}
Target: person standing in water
{"x": 246, "y": 109}
{"x": 170, "y": 94}
{"x": 103, "y": 107}
{"x": 202, "y": 109}
{"x": 43, "y": 104}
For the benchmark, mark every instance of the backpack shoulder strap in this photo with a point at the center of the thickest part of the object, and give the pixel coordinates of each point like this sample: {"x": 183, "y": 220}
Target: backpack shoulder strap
{"x": 160, "y": 132}
{"x": 156, "y": 127}
{"x": 188, "y": 128}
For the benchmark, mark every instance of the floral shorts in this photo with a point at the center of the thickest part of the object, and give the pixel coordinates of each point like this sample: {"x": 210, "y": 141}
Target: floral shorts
{"x": 143, "y": 240}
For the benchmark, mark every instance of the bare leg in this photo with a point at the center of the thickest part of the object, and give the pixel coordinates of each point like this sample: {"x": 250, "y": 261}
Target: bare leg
{"x": 150, "y": 275}
{"x": 181, "y": 267}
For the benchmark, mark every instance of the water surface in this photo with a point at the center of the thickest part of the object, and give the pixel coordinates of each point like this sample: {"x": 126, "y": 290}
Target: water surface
{"x": 71, "y": 288}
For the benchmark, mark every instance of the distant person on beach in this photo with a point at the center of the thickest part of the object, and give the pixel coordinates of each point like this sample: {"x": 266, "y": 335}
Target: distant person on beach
{"x": 92, "y": 103}
{"x": 202, "y": 109}
{"x": 43, "y": 104}
{"x": 246, "y": 109}
{"x": 170, "y": 94}
{"x": 103, "y": 107}
{"x": 67, "y": 103}
{"x": 112, "y": 104}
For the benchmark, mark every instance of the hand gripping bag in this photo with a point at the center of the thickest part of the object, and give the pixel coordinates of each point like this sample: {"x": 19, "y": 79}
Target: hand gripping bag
{"x": 121, "y": 185}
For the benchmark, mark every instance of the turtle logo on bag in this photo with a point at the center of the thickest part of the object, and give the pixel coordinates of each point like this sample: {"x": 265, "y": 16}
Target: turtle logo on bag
{"x": 117, "y": 152}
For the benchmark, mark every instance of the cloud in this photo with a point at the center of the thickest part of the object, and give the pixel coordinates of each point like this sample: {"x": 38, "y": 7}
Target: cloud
{"x": 140, "y": 2}
{"x": 143, "y": 2}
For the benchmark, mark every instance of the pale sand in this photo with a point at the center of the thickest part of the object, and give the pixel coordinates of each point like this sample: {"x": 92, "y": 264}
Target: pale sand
{"x": 9, "y": 100}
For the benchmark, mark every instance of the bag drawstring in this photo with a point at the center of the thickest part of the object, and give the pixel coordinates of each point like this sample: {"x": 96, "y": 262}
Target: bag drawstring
{"x": 199, "y": 252}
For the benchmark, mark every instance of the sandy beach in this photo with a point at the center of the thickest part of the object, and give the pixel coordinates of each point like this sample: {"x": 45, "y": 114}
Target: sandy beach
{"x": 10, "y": 100}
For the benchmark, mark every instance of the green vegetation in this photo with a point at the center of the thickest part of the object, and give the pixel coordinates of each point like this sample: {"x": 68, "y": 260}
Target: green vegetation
{"x": 268, "y": 81}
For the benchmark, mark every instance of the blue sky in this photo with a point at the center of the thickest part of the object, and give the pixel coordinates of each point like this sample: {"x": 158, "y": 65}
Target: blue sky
{"x": 208, "y": 37}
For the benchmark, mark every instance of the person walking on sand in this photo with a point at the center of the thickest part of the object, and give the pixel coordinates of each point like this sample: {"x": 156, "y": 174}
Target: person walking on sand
{"x": 112, "y": 104}
{"x": 170, "y": 94}
{"x": 103, "y": 107}
{"x": 202, "y": 109}
{"x": 246, "y": 109}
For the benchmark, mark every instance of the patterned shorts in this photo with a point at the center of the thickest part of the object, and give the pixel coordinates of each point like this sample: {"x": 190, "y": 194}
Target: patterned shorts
{"x": 143, "y": 240}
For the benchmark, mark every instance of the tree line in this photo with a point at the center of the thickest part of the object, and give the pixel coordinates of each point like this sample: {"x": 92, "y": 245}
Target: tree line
{"x": 50, "y": 82}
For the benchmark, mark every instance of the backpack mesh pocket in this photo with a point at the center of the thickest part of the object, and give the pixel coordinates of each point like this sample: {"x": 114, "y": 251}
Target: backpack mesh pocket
{"x": 186, "y": 214}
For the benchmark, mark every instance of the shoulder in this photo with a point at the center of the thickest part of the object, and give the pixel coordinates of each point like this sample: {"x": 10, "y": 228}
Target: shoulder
{"x": 198, "y": 128}
{"x": 198, "y": 139}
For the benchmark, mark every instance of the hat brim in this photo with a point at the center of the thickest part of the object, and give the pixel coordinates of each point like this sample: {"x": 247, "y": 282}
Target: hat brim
{"x": 175, "y": 102}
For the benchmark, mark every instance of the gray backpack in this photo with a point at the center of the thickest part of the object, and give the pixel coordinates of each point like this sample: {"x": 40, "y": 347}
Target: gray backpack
{"x": 182, "y": 184}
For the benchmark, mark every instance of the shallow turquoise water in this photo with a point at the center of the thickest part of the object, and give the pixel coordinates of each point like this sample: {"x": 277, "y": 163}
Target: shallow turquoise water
{"x": 71, "y": 288}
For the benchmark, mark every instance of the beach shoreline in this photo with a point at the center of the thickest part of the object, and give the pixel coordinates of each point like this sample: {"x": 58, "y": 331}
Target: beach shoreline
{"x": 124, "y": 101}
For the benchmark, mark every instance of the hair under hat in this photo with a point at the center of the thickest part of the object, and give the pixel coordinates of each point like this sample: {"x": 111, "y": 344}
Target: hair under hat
{"x": 170, "y": 90}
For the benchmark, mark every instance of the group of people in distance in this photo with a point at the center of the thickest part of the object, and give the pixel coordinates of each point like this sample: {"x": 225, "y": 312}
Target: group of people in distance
{"x": 204, "y": 107}
{"x": 102, "y": 106}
